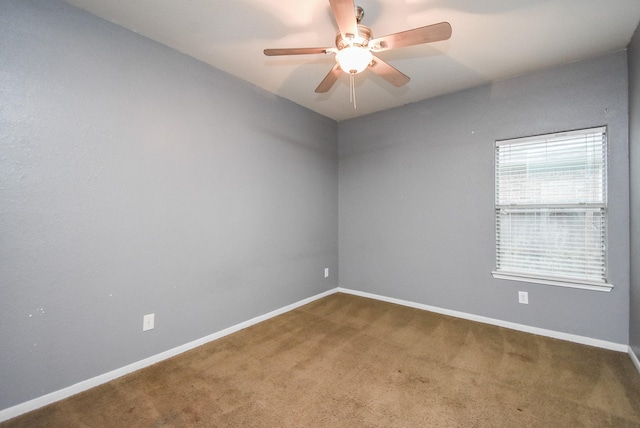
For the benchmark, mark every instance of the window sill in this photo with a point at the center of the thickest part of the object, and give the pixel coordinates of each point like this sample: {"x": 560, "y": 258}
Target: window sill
{"x": 550, "y": 281}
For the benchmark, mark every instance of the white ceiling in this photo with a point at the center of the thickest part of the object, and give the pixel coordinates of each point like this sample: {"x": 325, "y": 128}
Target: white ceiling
{"x": 491, "y": 40}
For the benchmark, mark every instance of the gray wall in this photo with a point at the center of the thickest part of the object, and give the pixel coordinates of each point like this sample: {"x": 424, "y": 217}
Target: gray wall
{"x": 134, "y": 179}
{"x": 416, "y": 197}
{"x": 634, "y": 154}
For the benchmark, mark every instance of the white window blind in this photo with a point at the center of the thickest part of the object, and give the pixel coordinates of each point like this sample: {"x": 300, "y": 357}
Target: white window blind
{"x": 551, "y": 207}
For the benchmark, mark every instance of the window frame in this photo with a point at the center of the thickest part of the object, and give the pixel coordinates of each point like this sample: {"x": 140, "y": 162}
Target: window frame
{"x": 543, "y": 278}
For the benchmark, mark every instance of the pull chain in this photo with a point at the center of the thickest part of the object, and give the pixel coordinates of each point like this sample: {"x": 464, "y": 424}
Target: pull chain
{"x": 352, "y": 90}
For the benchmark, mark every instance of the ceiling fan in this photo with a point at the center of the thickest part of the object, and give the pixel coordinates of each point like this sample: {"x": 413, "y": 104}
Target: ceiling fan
{"x": 355, "y": 46}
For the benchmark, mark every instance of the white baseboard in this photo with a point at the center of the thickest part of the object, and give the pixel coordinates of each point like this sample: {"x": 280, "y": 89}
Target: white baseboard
{"x": 486, "y": 320}
{"x": 63, "y": 393}
{"x": 634, "y": 358}
{"x": 44, "y": 400}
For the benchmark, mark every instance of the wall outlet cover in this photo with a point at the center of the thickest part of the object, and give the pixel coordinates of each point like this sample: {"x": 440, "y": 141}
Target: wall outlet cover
{"x": 523, "y": 297}
{"x": 148, "y": 322}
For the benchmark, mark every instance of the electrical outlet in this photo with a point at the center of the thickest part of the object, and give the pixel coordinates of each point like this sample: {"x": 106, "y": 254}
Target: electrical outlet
{"x": 326, "y": 272}
{"x": 523, "y": 297}
{"x": 148, "y": 322}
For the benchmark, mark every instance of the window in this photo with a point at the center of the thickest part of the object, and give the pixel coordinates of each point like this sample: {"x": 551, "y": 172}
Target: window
{"x": 551, "y": 210}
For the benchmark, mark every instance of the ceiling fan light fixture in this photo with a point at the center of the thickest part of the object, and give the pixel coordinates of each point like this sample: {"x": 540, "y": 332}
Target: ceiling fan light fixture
{"x": 355, "y": 46}
{"x": 354, "y": 59}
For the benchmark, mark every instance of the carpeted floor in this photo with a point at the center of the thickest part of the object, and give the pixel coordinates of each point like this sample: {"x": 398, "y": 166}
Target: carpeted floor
{"x": 347, "y": 361}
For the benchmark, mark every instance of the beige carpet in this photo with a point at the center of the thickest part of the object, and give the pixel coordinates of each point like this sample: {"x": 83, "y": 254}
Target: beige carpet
{"x": 346, "y": 361}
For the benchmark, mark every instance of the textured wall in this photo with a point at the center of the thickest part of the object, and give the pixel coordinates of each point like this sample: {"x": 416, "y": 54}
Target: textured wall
{"x": 634, "y": 154}
{"x": 417, "y": 197}
{"x": 134, "y": 179}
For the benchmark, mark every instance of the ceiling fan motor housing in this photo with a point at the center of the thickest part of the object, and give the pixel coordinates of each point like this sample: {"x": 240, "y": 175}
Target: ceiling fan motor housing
{"x": 361, "y": 39}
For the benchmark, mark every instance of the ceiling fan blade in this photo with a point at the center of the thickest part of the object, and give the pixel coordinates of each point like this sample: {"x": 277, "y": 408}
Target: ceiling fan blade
{"x": 389, "y": 73}
{"x": 296, "y": 51}
{"x": 329, "y": 79}
{"x": 417, "y": 36}
{"x": 345, "y": 14}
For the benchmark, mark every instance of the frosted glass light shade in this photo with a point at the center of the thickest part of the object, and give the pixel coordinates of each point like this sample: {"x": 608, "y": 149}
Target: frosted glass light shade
{"x": 354, "y": 59}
